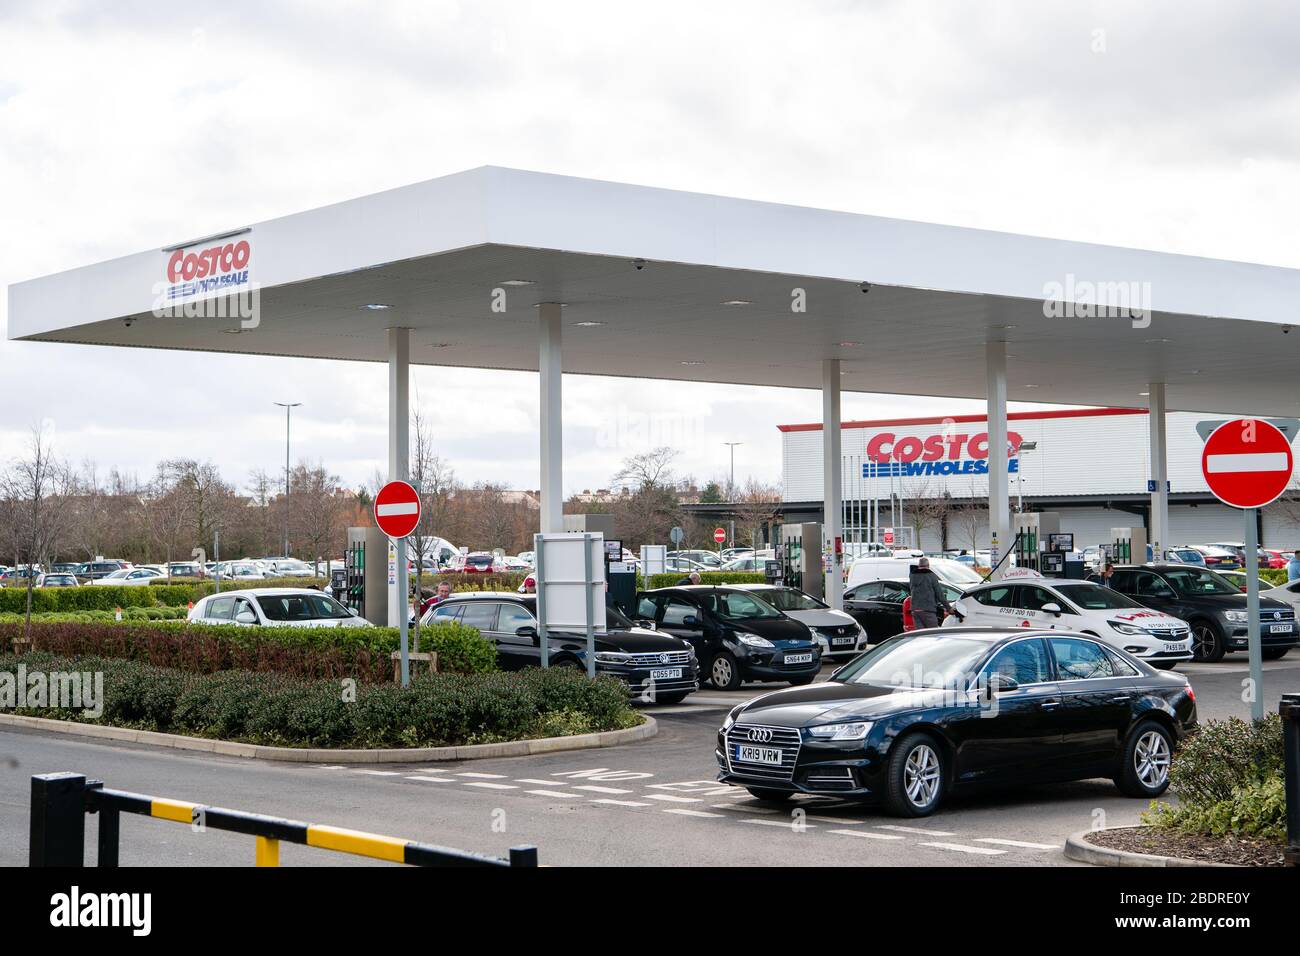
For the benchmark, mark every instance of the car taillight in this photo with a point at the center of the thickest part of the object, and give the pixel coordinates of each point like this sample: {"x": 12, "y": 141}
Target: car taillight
{"x": 1191, "y": 694}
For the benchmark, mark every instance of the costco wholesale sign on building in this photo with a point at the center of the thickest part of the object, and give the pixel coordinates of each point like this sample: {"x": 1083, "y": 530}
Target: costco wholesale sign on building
{"x": 1091, "y": 465}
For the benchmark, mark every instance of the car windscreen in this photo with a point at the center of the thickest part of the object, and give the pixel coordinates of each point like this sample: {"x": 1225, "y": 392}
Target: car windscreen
{"x": 738, "y": 606}
{"x": 789, "y": 599}
{"x": 1094, "y": 597}
{"x": 923, "y": 661}
{"x": 301, "y": 607}
{"x": 956, "y": 573}
{"x": 1191, "y": 581}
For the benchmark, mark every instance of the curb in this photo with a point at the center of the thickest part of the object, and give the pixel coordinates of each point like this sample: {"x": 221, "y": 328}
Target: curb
{"x": 227, "y": 748}
{"x": 1078, "y": 848}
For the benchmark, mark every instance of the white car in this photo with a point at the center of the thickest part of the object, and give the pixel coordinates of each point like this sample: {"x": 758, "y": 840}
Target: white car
{"x": 131, "y": 577}
{"x": 275, "y": 607}
{"x": 291, "y": 568}
{"x": 1065, "y": 605}
{"x": 241, "y": 571}
{"x": 837, "y": 632}
{"x": 865, "y": 570}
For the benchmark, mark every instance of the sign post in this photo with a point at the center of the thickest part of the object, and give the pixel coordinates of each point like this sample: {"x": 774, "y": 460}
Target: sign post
{"x": 1247, "y": 464}
{"x": 397, "y": 514}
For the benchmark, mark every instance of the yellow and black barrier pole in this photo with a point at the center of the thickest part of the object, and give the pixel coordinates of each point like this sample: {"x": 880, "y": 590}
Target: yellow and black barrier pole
{"x": 60, "y": 802}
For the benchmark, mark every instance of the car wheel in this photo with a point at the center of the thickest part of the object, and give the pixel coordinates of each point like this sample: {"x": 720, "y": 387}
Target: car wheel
{"x": 1148, "y": 752}
{"x": 1207, "y": 642}
{"x": 724, "y": 672}
{"x": 915, "y": 780}
{"x": 1274, "y": 653}
{"x": 771, "y": 796}
{"x": 674, "y": 698}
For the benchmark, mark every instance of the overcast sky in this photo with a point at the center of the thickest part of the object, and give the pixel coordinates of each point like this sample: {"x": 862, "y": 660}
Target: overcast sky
{"x": 130, "y": 125}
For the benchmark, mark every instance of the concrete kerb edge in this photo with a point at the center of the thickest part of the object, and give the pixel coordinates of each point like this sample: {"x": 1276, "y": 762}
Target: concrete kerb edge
{"x": 514, "y": 748}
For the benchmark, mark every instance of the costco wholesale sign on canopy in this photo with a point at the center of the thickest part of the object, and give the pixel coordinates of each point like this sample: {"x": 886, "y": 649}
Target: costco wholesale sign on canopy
{"x": 1092, "y": 465}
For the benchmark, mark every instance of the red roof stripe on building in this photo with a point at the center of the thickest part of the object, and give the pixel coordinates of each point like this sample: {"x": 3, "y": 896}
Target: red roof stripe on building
{"x": 1011, "y": 416}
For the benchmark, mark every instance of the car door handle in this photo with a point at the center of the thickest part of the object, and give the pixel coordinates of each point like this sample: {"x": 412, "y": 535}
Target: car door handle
{"x": 1050, "y": 704}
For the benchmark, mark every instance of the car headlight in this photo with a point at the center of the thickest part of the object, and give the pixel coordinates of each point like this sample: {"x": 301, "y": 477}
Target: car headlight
{"x": 1127, "y": 628}
{"x": 753, "y": 640}
{"x": 1236, "y": 617}
{"x": 612, "y": 657}
{"x": 731, "y": 718}
{"x": 690, "y": 649}
{"x": 851, "y": 731}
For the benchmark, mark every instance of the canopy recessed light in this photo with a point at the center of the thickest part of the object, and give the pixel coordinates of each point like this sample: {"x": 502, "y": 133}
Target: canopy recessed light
{"x": 692, "y": 363}
{"x": 589, "y": 324}
{"x": 232, "y": 331}
{"x": 849, "y": 345}
{"x": 737, "y": 302}
{"x": 1031, "y": 386}
{"x": 518, "y": 282}
{"x": 377, "y": 306}
{"x": 1144, "y": 393}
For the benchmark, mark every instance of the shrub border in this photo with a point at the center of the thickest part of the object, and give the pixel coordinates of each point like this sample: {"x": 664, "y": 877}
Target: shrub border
{"x": 1079, "y": 849}
{"x": 229, "y": 748}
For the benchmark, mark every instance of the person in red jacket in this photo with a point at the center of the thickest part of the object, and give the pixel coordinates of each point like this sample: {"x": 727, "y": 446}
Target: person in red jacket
{"x": 908, "y": 623}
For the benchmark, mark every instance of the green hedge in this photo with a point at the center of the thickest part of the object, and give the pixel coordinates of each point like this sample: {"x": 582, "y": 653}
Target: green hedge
{"x": 95, "y": 616}
{"x": 706, "y": 577}
{"x": 437, "y": 710}
{"x": 363, "y": 653}
{"x": 1229, "y": 782}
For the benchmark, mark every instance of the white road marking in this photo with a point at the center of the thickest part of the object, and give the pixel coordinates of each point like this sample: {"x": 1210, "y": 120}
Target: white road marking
{"x": 673, "y": 798}
{"x": 841, "y": 820}
{"x": 1020, "y": 843}
{"x": 866, "y": 834}
{"x": 380, "y": 773}
{"x": 734, "y": 806}
{"x": 595, "y": 789}
{"x": 787, "y": 824}
{"x": 542, "y": 783}
{"x": 494, "y": 786}
{"x": 483, "y": 776}
{"x": 333, "y": 766}
{"x": 691, "y": 813}
{"x": 621, "y": 803}
{"x": 902, "y": 829}
{"x": 553, "y": 793}
{"x": 430, "y": 779}
{"x": 962, "y": 848}
{"x": 432, "y": 770}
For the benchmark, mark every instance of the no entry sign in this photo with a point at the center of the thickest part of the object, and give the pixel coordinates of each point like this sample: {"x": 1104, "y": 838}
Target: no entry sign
{"x": 1247, "y": 462}
{"x": 397, "y": 509}
{"x": 719, "y": 535}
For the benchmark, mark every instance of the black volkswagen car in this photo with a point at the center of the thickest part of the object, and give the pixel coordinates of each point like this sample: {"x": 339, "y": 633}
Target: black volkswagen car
{"x": 736, "y": 635}
{"x": 1213, "y": 606}
{"x": 655, "y": 666}
{"x": 929, "y": 711}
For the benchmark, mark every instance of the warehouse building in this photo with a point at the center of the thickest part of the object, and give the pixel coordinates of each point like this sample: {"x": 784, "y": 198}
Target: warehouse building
{"x": 1090, "y": 465}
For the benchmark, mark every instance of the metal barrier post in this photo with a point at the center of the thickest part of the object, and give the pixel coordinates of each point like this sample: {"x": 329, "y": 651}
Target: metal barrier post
{"x": 523, "y": 856}
{"x": 268, "y": 852}
{"x": 1290, "y": 711}
{"x": 58, "y": 820}
{"x": 109, "y": 818}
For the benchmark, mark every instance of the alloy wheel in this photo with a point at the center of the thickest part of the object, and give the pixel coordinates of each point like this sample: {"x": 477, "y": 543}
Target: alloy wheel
{"x": 721, "y": 672}
{"x": 1205, "y": 642}
{"x": 1151, "y": 759}
{"x": 921, "y": 775}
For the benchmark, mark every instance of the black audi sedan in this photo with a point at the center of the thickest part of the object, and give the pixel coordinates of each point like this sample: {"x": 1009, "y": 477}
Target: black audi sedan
{"x": 930, "y": 711}
{"x": 656, "y": 667}
{"x": 1213, "y": 606}
{"x": 736, "y": 635}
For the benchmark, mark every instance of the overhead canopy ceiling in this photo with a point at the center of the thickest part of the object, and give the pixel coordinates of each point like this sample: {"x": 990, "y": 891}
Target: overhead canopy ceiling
{"x": 437, "y": 253}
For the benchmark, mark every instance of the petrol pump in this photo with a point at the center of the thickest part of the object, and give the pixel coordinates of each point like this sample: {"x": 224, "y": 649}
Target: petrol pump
{"x": 366, "y": 564}
{"x": 801, "y": 558}
{"x": 1129, "y": 545}
{"x": 1032, "y": 531}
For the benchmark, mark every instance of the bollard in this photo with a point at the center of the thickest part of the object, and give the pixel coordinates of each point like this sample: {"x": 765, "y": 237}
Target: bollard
{"x": 58, "y": 822}
{"x": 1290, "y": 711}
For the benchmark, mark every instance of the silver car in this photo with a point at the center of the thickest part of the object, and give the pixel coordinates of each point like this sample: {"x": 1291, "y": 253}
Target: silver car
{"x": 839, "y": 635}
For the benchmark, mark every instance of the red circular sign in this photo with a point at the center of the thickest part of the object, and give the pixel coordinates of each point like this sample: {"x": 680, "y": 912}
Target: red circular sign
{"x": 397, "y": 509}
{"x": 719, "y": 535}
{"x": 1247, "y": 462}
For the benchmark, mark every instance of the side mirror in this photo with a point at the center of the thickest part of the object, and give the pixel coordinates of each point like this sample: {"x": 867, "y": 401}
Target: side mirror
{"x": 527, "y": 631}
{"x": 245, "y": 617}
{"x": 648, "y": 625}
{"x": 1052, "y": 608}
{"x": 690, "y": 620}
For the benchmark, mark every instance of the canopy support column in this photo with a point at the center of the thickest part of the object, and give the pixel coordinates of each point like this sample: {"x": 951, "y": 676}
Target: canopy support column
{"x": 552, "y": 428}
{"x": 399, "y": 406}
{"x": 999, "y": 484}
{"x": 832, "y": 478}
{"x": 1159, "y": 531}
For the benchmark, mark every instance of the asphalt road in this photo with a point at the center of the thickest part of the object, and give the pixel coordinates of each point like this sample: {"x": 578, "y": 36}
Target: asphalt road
{"x": 655, "y": 802}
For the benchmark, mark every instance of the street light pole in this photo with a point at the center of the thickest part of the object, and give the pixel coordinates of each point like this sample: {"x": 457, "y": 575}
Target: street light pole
{"x": 731, "y": 487}
{"x": 288, "y": 408}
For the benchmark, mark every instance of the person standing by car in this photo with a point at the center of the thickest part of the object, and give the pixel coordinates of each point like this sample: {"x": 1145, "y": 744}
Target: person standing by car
{"x": 927, "y": 595}
{"x": 692, "y": 578}
{"x": 1293, "y": 568}
{"x": 443, "y": 592}
{"x": 1107, "y": 572}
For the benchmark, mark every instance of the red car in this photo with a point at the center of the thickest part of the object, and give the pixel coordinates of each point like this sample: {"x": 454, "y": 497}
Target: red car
{"x": 1276, "y": 559}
